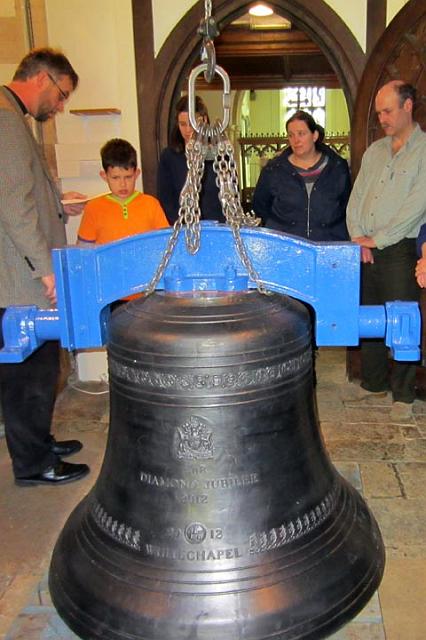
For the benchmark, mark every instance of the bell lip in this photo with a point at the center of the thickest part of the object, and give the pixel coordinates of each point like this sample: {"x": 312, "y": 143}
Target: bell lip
{"x": 88, "y": 628}
{"x": 342, "y": 607}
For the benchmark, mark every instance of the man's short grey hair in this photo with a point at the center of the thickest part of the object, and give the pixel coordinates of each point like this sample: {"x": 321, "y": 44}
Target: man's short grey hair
{"x": 45, "y": 59}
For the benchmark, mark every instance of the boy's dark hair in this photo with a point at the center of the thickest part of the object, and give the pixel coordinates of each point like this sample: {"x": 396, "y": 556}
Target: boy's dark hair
{"x": 118, "y": 153}
{"x": 176, "y": 139}
{"x": 313, "y": 126}
{"x": 45, "y": 59}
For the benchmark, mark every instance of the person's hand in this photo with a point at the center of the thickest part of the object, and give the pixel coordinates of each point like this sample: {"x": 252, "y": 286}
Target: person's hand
{"x": 421, "y": 272}
{"x": 74, "y": 195}
{"x": 76, "y": 208}
{"x": 367, "y": 255}
{"x": 49, "y": 288}
{"x": 365, "y": 241}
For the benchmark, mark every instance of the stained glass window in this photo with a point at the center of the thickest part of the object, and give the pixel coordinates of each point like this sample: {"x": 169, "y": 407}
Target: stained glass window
{"x": 310, "y": 99}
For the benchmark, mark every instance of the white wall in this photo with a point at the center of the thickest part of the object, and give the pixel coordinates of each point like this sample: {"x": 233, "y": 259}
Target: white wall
{"x": 6, "y": 72}
{"x": 393, "y": 6}
{"x": 166, "y": 14}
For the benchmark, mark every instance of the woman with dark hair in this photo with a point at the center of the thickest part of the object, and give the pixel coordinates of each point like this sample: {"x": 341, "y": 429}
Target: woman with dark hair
{"x": 304, "y": 191}
{"x": 172, "y": 169}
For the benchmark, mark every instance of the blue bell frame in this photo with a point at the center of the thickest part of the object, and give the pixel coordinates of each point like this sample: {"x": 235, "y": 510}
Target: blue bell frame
{"x": 326, "y": 276}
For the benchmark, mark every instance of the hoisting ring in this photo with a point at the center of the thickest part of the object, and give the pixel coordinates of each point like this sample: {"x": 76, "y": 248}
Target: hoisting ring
{"x": 226, "y": 98}
{"x": 208, "y": 53}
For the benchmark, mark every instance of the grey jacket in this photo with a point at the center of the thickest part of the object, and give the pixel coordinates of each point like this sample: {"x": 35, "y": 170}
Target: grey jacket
{"x": 31, "y": 215}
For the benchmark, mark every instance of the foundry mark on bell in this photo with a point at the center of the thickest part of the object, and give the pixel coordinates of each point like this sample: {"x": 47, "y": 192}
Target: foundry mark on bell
{"x": 191, "y": 555}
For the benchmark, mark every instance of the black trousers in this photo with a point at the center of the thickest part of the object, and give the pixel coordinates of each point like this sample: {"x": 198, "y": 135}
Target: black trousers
{"x": 27, "y": 393}
{"x": 390, "y": 278}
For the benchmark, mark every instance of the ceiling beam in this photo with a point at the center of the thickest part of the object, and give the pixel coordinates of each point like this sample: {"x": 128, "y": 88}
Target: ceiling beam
{"x": 242, "y": 43}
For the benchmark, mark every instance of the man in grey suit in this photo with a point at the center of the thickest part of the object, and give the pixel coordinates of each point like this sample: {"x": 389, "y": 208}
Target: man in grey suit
{"x": 31, "y": 225}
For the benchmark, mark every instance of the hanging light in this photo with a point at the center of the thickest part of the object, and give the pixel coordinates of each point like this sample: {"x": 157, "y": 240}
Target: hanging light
{"x": 260, "y": 10}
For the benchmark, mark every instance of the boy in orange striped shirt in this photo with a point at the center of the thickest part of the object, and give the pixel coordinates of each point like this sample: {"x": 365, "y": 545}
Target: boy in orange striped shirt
{"x": 125, "y": 211}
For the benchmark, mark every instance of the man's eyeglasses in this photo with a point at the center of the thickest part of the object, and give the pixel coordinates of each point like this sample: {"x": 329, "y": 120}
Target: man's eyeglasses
{"x": 64, "y": 95}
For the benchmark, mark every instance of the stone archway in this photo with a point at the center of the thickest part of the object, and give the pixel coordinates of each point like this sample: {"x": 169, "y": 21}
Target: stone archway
{"x": 160, "y": 79}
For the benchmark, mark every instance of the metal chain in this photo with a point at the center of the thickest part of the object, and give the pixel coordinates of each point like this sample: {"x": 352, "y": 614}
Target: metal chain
{"x": 208, "y": 138}
{"x": 189, "y": 205}
{"x": 227, "y": 182}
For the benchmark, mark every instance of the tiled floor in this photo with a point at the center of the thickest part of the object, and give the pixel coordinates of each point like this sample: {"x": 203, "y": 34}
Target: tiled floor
{"x": 384, "y": 460}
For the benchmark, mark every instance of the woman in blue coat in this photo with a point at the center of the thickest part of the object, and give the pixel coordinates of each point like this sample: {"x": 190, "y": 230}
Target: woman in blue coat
{"x": 304, "y": 191}
{"x": 172, "y": 170}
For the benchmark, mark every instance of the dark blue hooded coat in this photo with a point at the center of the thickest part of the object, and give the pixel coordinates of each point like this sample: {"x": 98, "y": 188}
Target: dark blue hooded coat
{"x": 281, "y": 199}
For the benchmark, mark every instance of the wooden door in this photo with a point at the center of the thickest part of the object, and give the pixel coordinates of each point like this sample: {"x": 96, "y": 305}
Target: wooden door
{"x": 399, "y": 54}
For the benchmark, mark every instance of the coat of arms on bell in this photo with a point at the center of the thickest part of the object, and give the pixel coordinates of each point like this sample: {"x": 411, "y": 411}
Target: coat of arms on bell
{"x": 193, "y": 440}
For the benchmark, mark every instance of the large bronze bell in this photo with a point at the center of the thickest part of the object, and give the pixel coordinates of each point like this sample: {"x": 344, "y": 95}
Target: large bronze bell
{"x": 217, "y": 514}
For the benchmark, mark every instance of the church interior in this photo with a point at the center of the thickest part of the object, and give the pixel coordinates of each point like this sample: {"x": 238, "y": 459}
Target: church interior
{"x": 134, "y": 59}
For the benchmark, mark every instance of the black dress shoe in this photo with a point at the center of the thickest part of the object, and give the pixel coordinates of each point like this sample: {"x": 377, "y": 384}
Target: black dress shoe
{"x": 61, "y": 473}
{"x": 66, "y": 447}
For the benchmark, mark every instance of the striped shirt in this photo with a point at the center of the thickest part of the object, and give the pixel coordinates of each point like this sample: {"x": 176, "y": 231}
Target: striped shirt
{"x": 311, "y": 174}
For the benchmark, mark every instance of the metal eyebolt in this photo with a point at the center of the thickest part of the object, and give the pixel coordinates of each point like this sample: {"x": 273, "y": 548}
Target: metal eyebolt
{"x": 226, "y": 98}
